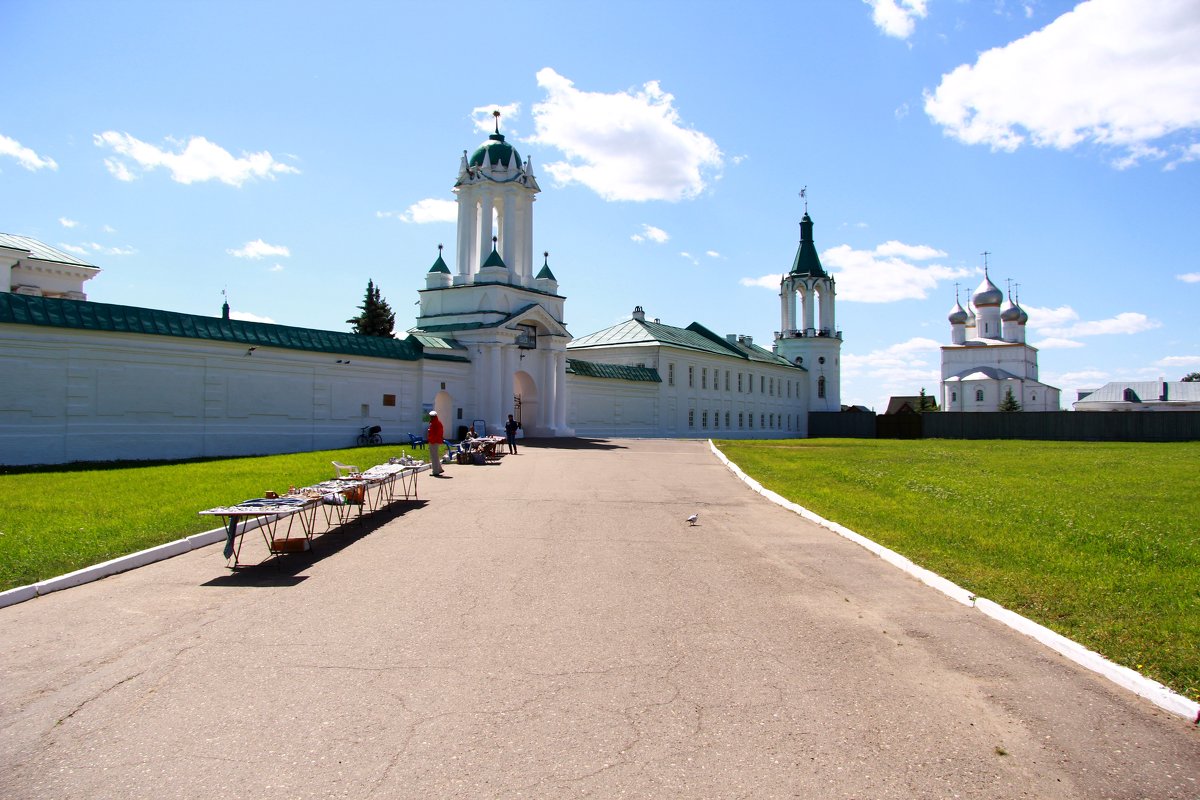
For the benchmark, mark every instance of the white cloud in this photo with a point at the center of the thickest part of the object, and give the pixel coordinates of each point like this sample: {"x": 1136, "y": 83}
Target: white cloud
{"x": 91, "y": 248}
{"x": 736, "y": 160}
{"x": 1127, "y": 322}
{"x": 901, "y": 369}
{"x": 424, "y": 211}
{"x": 24, "y": 156}
{"x": 712, "y": 254}
{"x": 913, "y": 252}
{"x": 259, "y": 249}
{"x": 885, "y": 274}
{"x": 764, "y": 282}
{"x": 200, "y": 160}
{"x": 1057, "y": 344}
{"x": 485, "y": 121}
{"x": 1189, "y": 277}
{"x": 650, "y": 233}
{"x": 1187, "y": 362}
{"x": 625, "y": 145}
{"x": 689, "y": 257}
{"x": 882, "y": 275}
{"x": 1050, "y": 317}
{"x": 1093, "y": 378}
{"x": 277, "y": 268}
{"x": 1111, "y": 72}
{"x": 109, "y": 229}
{"x": 896, "y": 18}
{"x": 246, "y": 316}
{"x": 67, "y": 223}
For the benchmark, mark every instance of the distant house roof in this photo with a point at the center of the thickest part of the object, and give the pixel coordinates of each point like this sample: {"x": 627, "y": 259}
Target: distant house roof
{"x": 1145, "y": 392}
{"x": 87, "y": 315}
{"x": 592, "y": 369}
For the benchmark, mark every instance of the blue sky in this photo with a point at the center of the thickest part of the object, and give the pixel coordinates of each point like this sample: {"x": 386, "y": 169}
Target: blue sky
{"x": 287, "y": 152}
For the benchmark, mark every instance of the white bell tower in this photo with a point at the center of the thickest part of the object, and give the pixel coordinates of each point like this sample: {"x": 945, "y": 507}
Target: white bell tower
{"x": 493, "y": 309}
{"x": 808, "y": 335}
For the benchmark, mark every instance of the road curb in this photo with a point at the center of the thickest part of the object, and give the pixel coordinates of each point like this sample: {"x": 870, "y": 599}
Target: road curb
{"x": 1124, "y": 677}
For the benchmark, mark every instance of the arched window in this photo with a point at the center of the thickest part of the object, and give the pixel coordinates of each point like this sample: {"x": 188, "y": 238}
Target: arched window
{"x": 979, "y": 395}
{"x": 954, "y": 397}
{"x": 821, "y": 386}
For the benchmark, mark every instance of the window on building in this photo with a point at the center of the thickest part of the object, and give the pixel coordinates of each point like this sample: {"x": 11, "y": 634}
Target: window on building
{"x": 703, "y": 419}
{"x": 726, "y": 419}
{"x": 670, "y": 374}
{"x": 954, "y": 397}
{"x": 691, "y": 418}
{"x": 704, "y": 378}
{"x": 821, "y": 386}
{"x": 772, "y": 420}
{"x": 750, "y": 419}
{"x": 772, "y": 385}
{"x": 979, "y": 395}
{"x": 389, "y": 399}
{"x": 762, "y": 420}
{"x": 727, "y": 380}
{"x": 762, "y": 384}
{"x": 1033, "y": 396}
{"x": 716, "y": 419}
{"x": 527, "y": 337}
{"x": 691, "y": 377}
{"x": 739, "y": 382}
{"x": 749, "y": 383}
{"x": 789, "y": 388}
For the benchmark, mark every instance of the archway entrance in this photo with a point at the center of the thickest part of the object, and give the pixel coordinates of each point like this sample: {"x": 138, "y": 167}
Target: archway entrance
{"x": 525, "y": 403}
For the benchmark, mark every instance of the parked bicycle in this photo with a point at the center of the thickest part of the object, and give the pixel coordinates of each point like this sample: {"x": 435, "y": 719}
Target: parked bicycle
{"x": 370, "y": 435}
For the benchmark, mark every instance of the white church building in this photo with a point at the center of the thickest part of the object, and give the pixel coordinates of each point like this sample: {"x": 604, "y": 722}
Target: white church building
{"x": 87, "y": 381}
{"x": 988, "y": 358}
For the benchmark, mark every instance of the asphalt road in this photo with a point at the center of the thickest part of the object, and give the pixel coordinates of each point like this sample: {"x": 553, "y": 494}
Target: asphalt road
{"x": 552, "y": 627}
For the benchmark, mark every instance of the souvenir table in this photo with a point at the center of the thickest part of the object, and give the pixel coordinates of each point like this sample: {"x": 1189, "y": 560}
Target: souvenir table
{"x": 268, "y": 512}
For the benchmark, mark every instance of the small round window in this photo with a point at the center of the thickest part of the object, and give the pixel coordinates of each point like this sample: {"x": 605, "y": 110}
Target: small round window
{"x": 821, "y": 360}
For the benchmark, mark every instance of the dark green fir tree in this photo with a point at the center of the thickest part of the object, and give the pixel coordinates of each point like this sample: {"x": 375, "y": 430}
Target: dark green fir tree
{"x": 377, "y": 317}
{"x": 1009, "y": 403}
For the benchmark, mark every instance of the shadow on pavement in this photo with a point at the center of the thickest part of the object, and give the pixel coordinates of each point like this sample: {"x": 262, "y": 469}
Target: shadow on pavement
{"x": 569, "y": 444}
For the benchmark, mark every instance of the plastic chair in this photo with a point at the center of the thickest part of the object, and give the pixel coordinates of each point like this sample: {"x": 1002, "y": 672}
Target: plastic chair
{"x": 344, "y": 469}
{"x": 416, "y": 441}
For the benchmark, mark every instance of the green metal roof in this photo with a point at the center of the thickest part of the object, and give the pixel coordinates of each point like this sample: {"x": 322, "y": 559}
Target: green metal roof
{"x": 591, "y": 369}
{"x": 807, "y": 261}
{"x": 86, "y": 315}
{"x": 440, "y": 265}
{"x": 40, "y": 250}
{"x": 545, "y": 272}
{"x": 494, "y": 260}
{"x": 693, "y": 337}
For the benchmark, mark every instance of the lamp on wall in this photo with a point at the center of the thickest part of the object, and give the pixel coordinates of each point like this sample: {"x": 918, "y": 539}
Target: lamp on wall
{"x": 250, "y": 350}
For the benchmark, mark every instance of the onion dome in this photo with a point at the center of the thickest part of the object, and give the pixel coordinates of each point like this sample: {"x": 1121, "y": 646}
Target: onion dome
{"x": 807, "y": 261}
{"x": 958, "y": 315}
{"x": 1011, "y": 312}
{"x": 495, "y": 151}
{"x": 440, "y": 265}
{"x": 1023, "y": 318}
{"x": 970, "y": 317}
{"x": 987, "y": 294}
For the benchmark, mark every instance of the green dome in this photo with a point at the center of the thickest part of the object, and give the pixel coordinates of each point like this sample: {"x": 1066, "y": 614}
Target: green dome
{"x": 498, "y": 152}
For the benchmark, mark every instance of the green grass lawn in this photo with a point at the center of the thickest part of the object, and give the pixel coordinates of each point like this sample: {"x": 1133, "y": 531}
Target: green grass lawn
{"x": 1097, "y": 541}
{"x": 59, "y": 519}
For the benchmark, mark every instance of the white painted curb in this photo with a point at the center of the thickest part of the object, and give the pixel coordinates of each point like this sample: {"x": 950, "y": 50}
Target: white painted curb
{"x": 1127, "y": 678}
{"x": 17, "y": 595}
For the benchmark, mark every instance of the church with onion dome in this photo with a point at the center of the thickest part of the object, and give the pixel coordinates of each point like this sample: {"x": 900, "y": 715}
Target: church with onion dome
{"x": 988, "y": 359}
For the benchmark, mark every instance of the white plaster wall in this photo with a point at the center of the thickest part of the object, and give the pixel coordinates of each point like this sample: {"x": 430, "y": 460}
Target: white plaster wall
{"x": 70, "y": 395}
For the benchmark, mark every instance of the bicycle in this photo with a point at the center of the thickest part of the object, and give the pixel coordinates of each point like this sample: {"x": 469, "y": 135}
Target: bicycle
{"x": 370, "y": 435}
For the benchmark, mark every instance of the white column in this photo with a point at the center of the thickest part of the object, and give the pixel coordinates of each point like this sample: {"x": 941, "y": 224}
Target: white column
{"x": 808, "y": 309}
{"x": 792, "y": 319}
{"x": 560, "y": 391}
{"x": 512, "y": 362}
{"x": 508, "y": 233}
{"x": 784, "y": 325}
{"x": 485, "y": 231}
{"x": 527, "y": 233}
{"x": 466, "y": 220}
{"x": 495, "y": 383}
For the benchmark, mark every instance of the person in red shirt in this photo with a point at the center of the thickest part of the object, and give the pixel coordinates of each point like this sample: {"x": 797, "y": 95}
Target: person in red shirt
{"x": 436, "y": 438}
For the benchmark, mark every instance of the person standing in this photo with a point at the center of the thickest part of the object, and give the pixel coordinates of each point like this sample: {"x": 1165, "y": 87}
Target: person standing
{"x": 510, "y": 430}
{"x": 435, "y": 437}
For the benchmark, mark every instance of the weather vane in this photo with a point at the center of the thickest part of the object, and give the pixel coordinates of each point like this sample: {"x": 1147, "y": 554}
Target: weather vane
{"x": 804, "y": 197}
{"x": 496, "y": 114}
